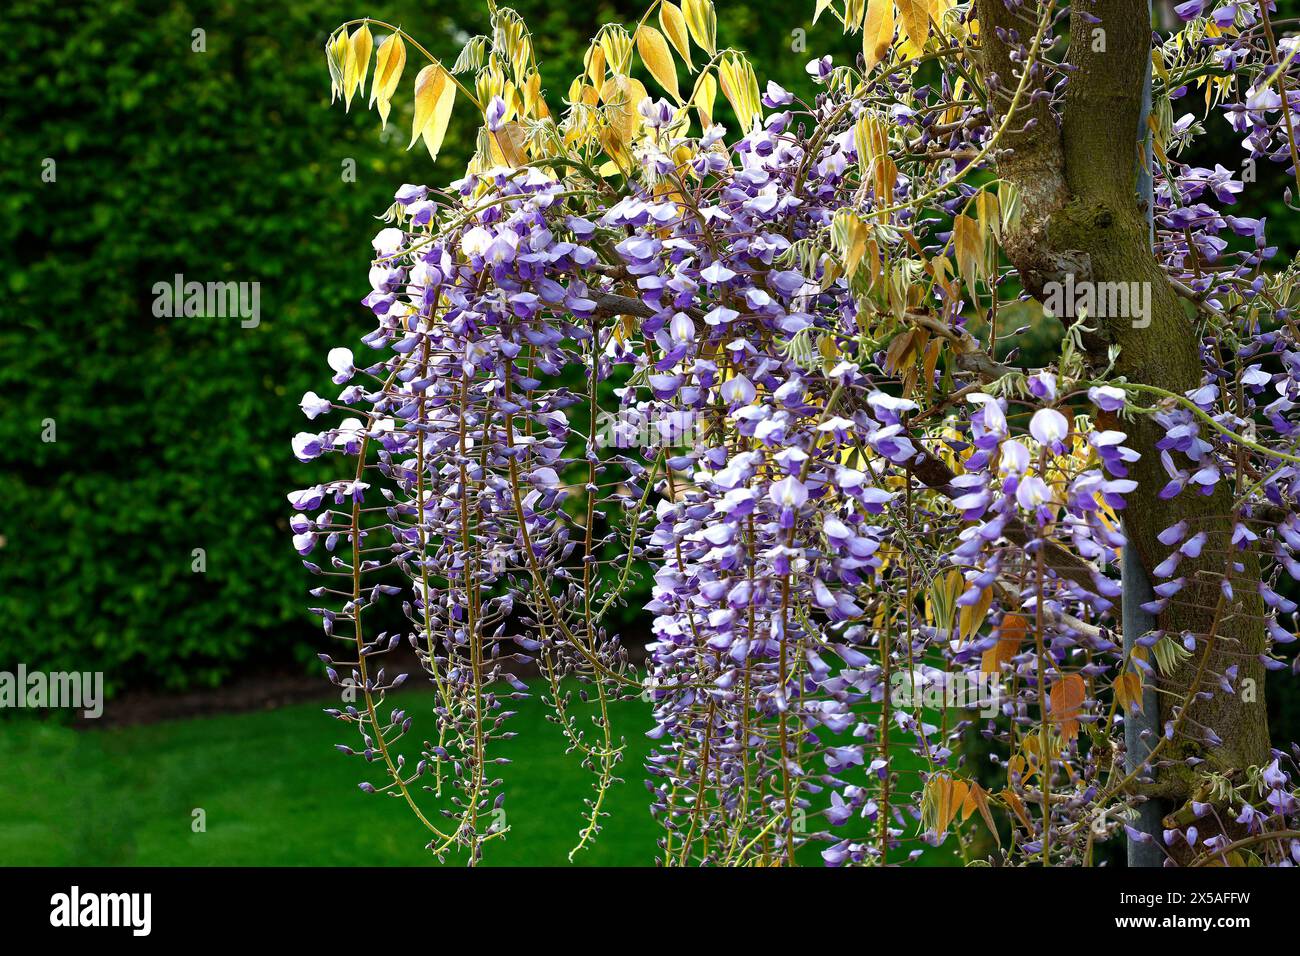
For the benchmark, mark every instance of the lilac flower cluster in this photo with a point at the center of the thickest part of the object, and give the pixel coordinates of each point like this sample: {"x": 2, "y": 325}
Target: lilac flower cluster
{"x": 864, "y": 511}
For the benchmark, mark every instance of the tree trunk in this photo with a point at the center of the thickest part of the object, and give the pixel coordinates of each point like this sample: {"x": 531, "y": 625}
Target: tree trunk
{"x": 1077, "y": 180}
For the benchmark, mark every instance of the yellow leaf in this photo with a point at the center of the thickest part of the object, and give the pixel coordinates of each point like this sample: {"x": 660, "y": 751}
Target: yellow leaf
{"x": 1010, "y": 633}
{"x": 900, "y": 351}
{"x": 425, "y": 100}
{"x": 942, "y": 799}
{"x": 871, "y": 138}
{"x": 435, "y": 93}
{"x": 674, "y": 27}
{"x": 988, "y": 212}
{"x": 534, "y": 103}
{"x": 1128, "y": 691}
{"x": 1016, "y": 768}
{"x": 957, "y": 791}
{"x": 740, "y": 87}
{"x": 978, "y": 799}
{"x": 943, "y": 598}
{"x": 335, "y": 65}
{"x": 658, "y": 59}
{"x": 702, "y": 23}
{"x": 362, "y": 44}
{"x": 877, "y": 31}
{"x": 1065, "y": 702}
{"x": 507, "y": 145}
{"x": 930, "y": 362}
{"x": 915, "y": 18}
{"x": 851, "y": 240}
{"x": 390, "y": 60}
{"x": 621, "y": 94}
{"x": 594, "y": 62}
{"x": 969, "y": 247}
{"x": 972, "y": 615}
{"x": 617, "y": 46}
{"x": 706, "y": 92}
{"x": 436, "y": 129}
{"x": 343, "y": 57}
{"x": 1012, "y": 800}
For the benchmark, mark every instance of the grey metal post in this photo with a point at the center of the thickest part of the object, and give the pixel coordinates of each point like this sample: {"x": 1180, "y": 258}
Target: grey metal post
{"x": 1141, "y": 731}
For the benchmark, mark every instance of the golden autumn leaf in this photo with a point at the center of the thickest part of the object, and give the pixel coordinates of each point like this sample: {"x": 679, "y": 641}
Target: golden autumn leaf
{"x": 899, "y": 351}
{"x": 702, "y": 22}
{"x": 954, "y": 798}
{"x": 929, "y": 363}
{"x": 988, "y": 213}
{"x": 435, "y": 93}
{"x": 621, "y": 94}
{"x": 1128, "y": 691}
{"x": 944, "y": 592}
{"x": 335, "y": 68}
{"x": 674, "y": 27}
{"x": 351, "y": 69}
{"x": 362, "y": 44}
{"x": 1011, "y": 634}
{"x": 978, "y": 800}
{"x": 425, "y": 100}
{"x": 1065, "y": 701}
{"x": 706, "y": 93}
{"x": 617, "y": 46}
{"x": 531, "y": 93}
{"x": 740, "y": 87}
{"x": 1030, "y": 746}
{"x": 973, "y": 615}
{"x": 390, "y": 60}
{"x": 1016, "y": 767}
{"x": 969, "y": 248}
{"x": 941, "y": 800}
{"x": 914, "y": 16}
{"x": 594, "y": 62}
{"x": 1017, "y": 806}
{"x": 877, "y": 31}
{"x": 341, "y": 55}
{"x": 658, "y": 59}
{"x": 507, "y": 145}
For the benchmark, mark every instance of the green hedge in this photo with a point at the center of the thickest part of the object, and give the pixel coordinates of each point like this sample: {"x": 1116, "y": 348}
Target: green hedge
{"x": 173, "y": 434}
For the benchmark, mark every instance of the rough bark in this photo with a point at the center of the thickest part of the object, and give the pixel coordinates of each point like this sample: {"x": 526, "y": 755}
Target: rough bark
{"x": 1077, "y": 179}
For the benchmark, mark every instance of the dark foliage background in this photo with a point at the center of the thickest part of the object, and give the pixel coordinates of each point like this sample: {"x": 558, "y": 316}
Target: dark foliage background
{"x": 225, "y": 165}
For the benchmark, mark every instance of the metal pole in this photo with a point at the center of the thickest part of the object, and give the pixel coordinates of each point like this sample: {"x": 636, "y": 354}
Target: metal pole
{"x": 1141, "y": 731}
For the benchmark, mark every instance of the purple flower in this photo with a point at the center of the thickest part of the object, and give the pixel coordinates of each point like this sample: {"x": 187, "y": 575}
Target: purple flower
{"x": 313, "y": 406}
{"x": 1107, "y": 397}
{"x": 495, "y": 113}
{"x": 1049, "y": 427}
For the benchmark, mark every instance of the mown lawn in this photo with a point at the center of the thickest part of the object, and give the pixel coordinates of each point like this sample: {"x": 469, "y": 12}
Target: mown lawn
{"x": 275, "y": 792}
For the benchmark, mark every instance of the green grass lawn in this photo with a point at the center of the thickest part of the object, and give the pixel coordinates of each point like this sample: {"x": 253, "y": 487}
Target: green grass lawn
{"x": 276, "y": 792}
